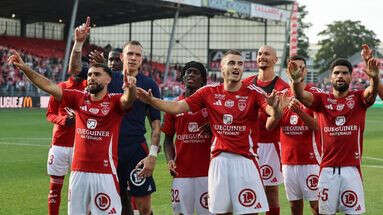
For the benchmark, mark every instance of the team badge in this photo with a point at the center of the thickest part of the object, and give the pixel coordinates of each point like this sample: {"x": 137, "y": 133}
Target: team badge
{"x": 204, "y": 112}
{"x": 293, "y": 119}
{"x": 135, "y": 179}
{"x": 203, "y": 200}
{"x": 312, "y": 182}
{"x": 227, "y": 119}
{"x": 91, "y": 124}
{"x": 350, "y": 104}
{"x": 193, "y": 127}
{"x": 102, "y": 201}
{"x": 247, "y": 197}
{"x": 229, "y": 103}
{"x": 241, "y": 105}
{"x": 349, "y": 198}
{"x": 340, "y": 120}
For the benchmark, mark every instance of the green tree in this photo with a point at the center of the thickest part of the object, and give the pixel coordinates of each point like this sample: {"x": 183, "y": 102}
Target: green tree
{"x": 303, "y": 40}
{"x": 342, "y": 39}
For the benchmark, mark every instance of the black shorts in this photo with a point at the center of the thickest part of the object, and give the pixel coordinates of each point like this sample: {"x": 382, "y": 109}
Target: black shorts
{"x": 128, "y": 158}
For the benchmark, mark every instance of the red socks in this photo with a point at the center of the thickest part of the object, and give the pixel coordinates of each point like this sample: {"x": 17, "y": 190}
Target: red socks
{"x": 273, "y": 211}
{"x": 54, "y": 196}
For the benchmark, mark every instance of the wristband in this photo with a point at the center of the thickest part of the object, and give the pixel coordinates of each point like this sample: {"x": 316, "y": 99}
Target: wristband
{"x": 78, "y": 46}
{"x": 153, "y": 150}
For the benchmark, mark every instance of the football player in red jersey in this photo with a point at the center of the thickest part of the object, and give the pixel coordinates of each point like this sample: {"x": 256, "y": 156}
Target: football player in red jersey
{"x": 300, "y": 152}
{"x": 234, "y": 183}
{"x": 93, "y": 186}
{"x": 61, "y": 150}
{"x": 342, "y": 114}
{"x": 189, "y": 156}
{"x": 267, "y": 146}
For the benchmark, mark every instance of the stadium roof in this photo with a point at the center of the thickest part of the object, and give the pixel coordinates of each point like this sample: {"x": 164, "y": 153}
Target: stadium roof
{"x": 104, "y": 13}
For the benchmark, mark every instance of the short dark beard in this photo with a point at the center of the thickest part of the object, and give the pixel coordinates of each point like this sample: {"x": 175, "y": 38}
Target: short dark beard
{"x": 95, "y": 90}
{"x": 340, "y": 89}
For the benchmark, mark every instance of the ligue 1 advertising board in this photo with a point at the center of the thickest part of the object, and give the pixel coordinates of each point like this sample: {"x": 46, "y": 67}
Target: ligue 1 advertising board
{"x": 249, "y": 55}
{"x": 23, "y": 102}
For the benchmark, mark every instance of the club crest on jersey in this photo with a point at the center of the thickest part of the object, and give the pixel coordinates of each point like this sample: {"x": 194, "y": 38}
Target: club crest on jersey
{"x": 229, "y": 103}
{"x": 241, "y": 105}
{"x": 204, "y": 112}
{"x": 247, "y": 197}
{"x": 340, "y": 120}
{"x": 193, "y": 127}
{"x": 293, "y": 119}
{"x": 94, "y": 110}
{"x": 91, "y": 124}
{"x": 350, "y": 104}
{"x": 227, "y": 119}
{"x": 102, "y": 201}
{"x": 339, "y": 107}
{"x": 135, "y": 179}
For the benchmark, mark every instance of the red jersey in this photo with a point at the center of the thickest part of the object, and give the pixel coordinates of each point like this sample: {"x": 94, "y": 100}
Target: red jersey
{"x": 97, "y": 129}
{"x": 229, "y": 114}
{"x": 341, "y": 122}
{"x": 62, "y": 135}
{"x": 262, "y": 135}
{"x": 298, "y": 142}
{"x": 192, "y": 150}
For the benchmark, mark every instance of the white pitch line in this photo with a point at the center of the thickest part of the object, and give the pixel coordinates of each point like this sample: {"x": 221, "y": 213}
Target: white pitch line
{"x": 22, "y": 144}
{"x": 373, "y": 166}
{"x": 372, "y": 158}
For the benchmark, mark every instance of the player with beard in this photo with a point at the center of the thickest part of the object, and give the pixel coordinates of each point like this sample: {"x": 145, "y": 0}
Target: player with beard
{"x": 234, "y": 184}
{"x": 366, "y": 54}
{"x": 268, "y": 146}
{"x": 300, "y": 154}
{"x": 188, "y": 158}
{"x": 93, "y": 185}
{"x": 342, "y": 115}
{"x": 61, "y": 150}
{"x": 136, "y": 161}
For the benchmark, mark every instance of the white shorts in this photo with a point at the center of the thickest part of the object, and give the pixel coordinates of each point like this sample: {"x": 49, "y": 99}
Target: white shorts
{"x": 270, "y": 164}
{"x": 59, "y": 160}
{"x": 301, "y": 182}
{"x": 189, "y": 195}
{"x": 341, "y": 190}
{"x": 93, "y": 193}
{"x": 235, "y": 186}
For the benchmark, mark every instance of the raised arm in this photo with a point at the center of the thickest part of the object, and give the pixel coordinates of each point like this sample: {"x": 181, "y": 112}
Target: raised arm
{"x": 372, "y": 71}
{"x": 129, "y": 95}
{"x": 36, "y": 78}
{"x": 80, "y": 34}
{"x": 296, "y": 83}
{"x": 172, "y": 107}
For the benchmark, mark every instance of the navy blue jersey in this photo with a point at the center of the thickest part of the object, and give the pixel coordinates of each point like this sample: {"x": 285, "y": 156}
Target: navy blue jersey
{"x": 132, "y": 129}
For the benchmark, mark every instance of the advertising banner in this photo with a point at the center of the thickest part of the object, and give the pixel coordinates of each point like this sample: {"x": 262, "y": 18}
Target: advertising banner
{"x": 232, "y": 6}
{"x": 271, "y": 13}
{"x": 19, "y": 102}
{"x": 196, "y": 3}
{"x": 249, "y": 56}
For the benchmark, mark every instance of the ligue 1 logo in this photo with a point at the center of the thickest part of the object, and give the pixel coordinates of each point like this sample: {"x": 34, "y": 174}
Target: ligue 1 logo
{"x": 193, "y": 127}
{"x": 91, "y": 124}
{"x": 312, "y": 182}
{"x": 135, "y": 179}
{"x": 227, "y": 119}
{"x": 203, "y": 200}
{"x": 293, "y": 119}
{"x": 229, "y": 103}
{"x": 340, "y": 120}
{"x": 102, "y": 201}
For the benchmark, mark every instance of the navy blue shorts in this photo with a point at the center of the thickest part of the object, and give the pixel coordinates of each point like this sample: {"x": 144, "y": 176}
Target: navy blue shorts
{"x": 128, "y": 158}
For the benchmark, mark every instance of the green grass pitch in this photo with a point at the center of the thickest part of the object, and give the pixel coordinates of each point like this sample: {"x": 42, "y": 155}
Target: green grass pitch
{"x": 24, "y": 143}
